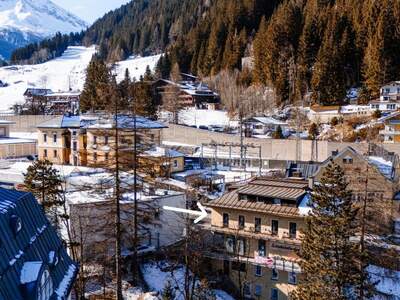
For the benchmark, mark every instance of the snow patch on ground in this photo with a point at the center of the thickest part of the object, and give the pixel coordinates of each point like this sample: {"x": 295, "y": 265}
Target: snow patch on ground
{"x": 156, "y": 279}
{"x": 387, "y": 282}
{"x": 136, "y": 65}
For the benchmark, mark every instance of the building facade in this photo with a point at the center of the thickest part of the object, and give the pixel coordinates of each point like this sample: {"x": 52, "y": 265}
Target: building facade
{"x": 256, "y": 235}
{"x": 90, "y": 141}
{"x": 391, "y": 133}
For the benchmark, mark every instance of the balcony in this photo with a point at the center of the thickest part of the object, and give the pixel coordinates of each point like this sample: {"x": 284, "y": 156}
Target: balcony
{"x": 274, "y": 262}
{"x": 292, "y": 243}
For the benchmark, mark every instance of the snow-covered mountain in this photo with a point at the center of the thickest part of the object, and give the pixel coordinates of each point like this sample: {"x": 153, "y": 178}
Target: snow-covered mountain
{"x": 26, "y": 21}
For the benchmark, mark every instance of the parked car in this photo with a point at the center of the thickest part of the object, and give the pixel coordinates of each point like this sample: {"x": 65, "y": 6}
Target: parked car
{"x": 203, "y": 127}
{"x": 217, "y": 128}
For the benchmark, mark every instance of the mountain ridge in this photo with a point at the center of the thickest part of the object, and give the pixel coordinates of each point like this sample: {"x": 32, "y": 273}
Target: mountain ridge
{"x": 26, "y": 21}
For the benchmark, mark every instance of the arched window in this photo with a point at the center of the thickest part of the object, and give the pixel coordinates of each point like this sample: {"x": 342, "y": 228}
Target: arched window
{"x": 45, "y": 286}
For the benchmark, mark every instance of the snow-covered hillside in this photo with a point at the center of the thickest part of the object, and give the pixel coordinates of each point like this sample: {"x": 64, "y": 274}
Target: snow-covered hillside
{"x": 25, "y": 21}
{"x": 136, "y": 65}
{"x": 60, "y": 74}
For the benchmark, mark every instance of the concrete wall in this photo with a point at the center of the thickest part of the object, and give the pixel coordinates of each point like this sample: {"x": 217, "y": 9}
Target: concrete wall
{"x": 270, "y": 149}
{"x": 26, "y": 123}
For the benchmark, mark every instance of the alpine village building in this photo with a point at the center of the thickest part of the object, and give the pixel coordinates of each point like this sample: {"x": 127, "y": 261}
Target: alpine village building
{"x": 34, "y": 264}
{"x": 90, "y": 141}
{"x": 256, "y": 231}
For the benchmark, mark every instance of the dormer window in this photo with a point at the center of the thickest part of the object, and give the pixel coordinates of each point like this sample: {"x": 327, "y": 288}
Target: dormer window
{"x": 16, "y": 224}
{"x": 347, "y": 160}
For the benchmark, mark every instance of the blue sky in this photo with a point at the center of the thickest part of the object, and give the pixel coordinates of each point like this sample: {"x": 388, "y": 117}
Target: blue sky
{"x": 90, "y": 10}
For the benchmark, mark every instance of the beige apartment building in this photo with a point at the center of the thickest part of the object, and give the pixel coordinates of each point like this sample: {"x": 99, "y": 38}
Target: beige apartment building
{"x": 256, "y": 236}
{"x": 90, "y": 141}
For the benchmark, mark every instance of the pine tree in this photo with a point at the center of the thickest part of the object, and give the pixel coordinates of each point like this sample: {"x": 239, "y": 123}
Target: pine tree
{"x": 278, "y": 134}
{"x": 329, "y": 258}
{"x": 97, "y": 80}
{"x": 313, "y": 131}
{"x": 44, "y": 181}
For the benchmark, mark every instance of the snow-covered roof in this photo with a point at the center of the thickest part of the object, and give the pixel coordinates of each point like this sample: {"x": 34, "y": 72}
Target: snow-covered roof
{"x": 267, "y": 121}
{"x": 124, "y": 122}
{"x": 163, "y": 152}
{"x": 384, "y": 166}
{"x": 5, "y": 122}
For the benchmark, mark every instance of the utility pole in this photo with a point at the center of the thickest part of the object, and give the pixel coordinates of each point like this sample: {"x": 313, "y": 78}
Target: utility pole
{"x": 117, "y": 206}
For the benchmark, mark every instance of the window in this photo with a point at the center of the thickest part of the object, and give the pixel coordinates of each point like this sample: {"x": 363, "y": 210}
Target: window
{"x": 54, "y": 138}
{"x": 225, "y": 220}
{"x": 45, "y": 288}
{"x": 94, "y": 139}
{"x": 45, "y": 152}
{"x": 258, "y": 271}
{"x": 258, "y": 290}
{"x": 74, "y": 146}
{"x": 274, "y": 294}
{"x": 95, "y": 156}
{"x": 257, "y": 224}
{"x": 106, "y": 140}
{"x": 238, "y": 266}
{"x": 391, "y": 106}
{"x": 247, "y": 289}
{"x": 292, "y": 279}
{"x": 274, "y": 227}
{"x": 347, "y": 160}
{"x": 274, "y": 274}
{"x": 230, "y": 244}
{"x": 241, "y": 247}
{"x": 175, "y": 163}
{"x": 261, "y": 248}
{"x": 106, "y": 156}
{"x": 241, "y": 222}
{"x": 45, "y": 137}
{"x": 74, "y": 132}
{"x": 15, "y": 224}
{"x": 55, "y": 153}
{"x": 292, "y": 230}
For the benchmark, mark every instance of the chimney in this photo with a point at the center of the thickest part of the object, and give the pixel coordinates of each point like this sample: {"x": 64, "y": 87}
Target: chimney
{"x": 310, "y": 183}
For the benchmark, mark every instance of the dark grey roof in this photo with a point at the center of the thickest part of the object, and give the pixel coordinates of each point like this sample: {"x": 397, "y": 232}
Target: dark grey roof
{"x": 306, "y": 169}
{"x": 25, "y": 253}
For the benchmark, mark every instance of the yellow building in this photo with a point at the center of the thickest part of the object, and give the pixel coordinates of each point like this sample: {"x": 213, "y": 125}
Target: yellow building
{"x": 90, "y": 141}
{"x": 161, "y": 161}
{"x": 256, "y": 231}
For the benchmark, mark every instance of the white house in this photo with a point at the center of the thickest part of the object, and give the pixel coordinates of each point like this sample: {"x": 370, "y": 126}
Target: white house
{"x": 263, "y": 125}
{"x": 356, "y": 110}
{"x": 389, "y": 99}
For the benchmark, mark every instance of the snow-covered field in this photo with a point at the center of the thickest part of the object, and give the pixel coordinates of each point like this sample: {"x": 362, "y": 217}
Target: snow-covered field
{"x": 136, "y": 65}
{"x": 61, "y": 74}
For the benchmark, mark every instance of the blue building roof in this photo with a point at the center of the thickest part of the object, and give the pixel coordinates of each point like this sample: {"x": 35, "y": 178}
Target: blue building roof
{"x": 124, "y": 122}
{"x": 30, "y": 249}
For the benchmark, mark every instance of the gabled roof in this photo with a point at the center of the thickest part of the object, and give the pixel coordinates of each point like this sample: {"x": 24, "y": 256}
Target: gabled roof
{"x": 286, "y": 189}
{"x": 26, "y": 241}
{"x": 383, "y": 166}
